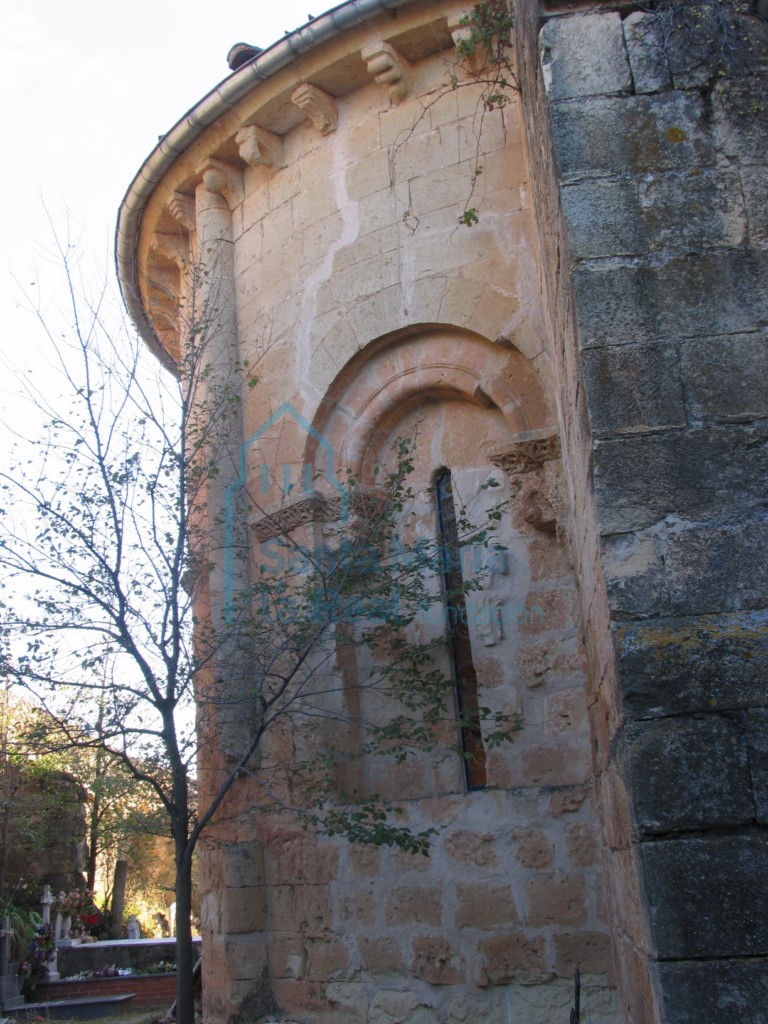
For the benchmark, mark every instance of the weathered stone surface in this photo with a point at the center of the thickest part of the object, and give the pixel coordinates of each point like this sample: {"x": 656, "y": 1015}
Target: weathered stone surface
{"x": 393, "y": 1007}
{"x": 514, "y": 957}
{"x": 437, "y": 961}
{"x": 717, "y": 568}
{"x": 689, "y": 774}
{"x": 485, "y": 906}
{"x": 633, "y": 387}
{"x": 726, "y": 378}
{"x": 408, "y": 904}
{"x": 714, "y": 991}
{"x": 584, "y": 56}
{"x": 741, "y": 120}
{"x": 589, "y": 951}
{"x": 555, "y": 899}
{"x": 634, "y": 573}
{"x": 695, "y": 473}
{"x": 645, "y": 49}
{"x": 685, "y": 296}
{"x": 533, "y": 848}
{"x": 707, "y": 897}
{"x": 381, "y": 956}
{"x": 677, "y": 666}
{"x": 604, "y": 219}
{"x": 583, "y": 844}
{"x": 471, "y": 848}
{"x": 753, "y": 185}
{"x": 636, "y": 135}
{"x": 692, "y": 211}
{"x": 757, "y": 742}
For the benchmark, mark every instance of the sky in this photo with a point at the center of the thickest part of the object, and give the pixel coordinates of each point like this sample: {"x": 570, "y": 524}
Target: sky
{"x": 87, "y": 89}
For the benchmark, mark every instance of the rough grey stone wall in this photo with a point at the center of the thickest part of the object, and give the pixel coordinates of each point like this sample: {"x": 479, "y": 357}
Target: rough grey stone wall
{"x": 658, "y": 291}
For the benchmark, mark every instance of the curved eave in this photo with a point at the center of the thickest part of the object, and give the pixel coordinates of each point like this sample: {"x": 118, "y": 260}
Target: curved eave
{"x": 198, "y": 119}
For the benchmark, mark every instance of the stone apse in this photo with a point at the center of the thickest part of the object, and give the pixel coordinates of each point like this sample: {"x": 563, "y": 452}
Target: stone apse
{"x": 596, "y": 342}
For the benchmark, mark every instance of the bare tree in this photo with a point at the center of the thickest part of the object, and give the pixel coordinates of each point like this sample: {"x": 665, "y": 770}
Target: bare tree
{"x": 119, "y": 558}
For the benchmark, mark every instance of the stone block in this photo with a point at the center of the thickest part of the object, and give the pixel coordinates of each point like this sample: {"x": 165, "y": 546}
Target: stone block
{"x": 567, "y": 800}
{"x": 533, "y": 848}
{"x": 485, "y": 906}
{"x": 633, "y": 388}
{"x": 566, "y": 712}
{"x": 693, "y": 211}
{"x": 685, "y": 296}
{"x": 582, "y": 843}
{"x": 714, "y": 991}
{"x": 472, "y": 848}
{"x": 603, "y": 219}
{"x": 689, "y": 773}
{"x": 645, "y": 48}
{"x": 717, "y": 568}
{"x": 726, "y": 378}
{"x": 706, "y": 663}
{"x": 381, "y": 956}
{"x": 555, "y": 899}
{"x": 632, "y": 135}
{"x": 395, "y": 1007}
{"x": 589, "y": 951}
{"x": 409, "y": 904}
{"x": 757, "y": 743}
{"x": 513, "y": 957}
{"x": 556, "y": 763}
{"x": 741, "y": 120}
{"x": 694, "y": 474}
{"x": 243, "y": 909}
{"x": 328, "y": 959}
{"x": 244, "y": 864}
{"x": 357, "y": 906}
{"x": 634, "y": 574}
{"x": 545, "y": 661}
{"x": 753, "y": 187}
{"x": 437, "y": 961}
{"x": 707, "y": 897}
{"x": 584, "y": 56}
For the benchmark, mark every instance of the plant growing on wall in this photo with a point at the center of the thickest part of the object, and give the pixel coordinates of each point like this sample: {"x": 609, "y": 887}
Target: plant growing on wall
{"x": 122, "y": 561}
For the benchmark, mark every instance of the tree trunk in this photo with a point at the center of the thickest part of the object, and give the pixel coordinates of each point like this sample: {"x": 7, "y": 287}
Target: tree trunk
{"x": 118, "y": 898}
{"x": 185, "y": 998}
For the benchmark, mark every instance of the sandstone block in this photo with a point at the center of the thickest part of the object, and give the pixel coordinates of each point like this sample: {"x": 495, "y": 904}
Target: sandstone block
{"x": 645, "y": 48}
{"x": 688, "y": 774}
{"x": 357, "y": 906}
{"x": 485, "y": 906}
{"x": 437, "y": 961}
{"x": 533, "y": 848}
{"x": 633, "y": 387}
{"x": 393, "y": 1007}
{"x": 566, "y": 712}
{"x": 710, "y": 991}
{"x": 243, "y": 909}
{"x": 675, "y": 666}
{"x": 244, "y": 864}
{"x": 409, "y": 904}
{"x": 726, "y": 378}
{"x": 565, "y": 763}
{"x": 582, "y": 843}
{"x": 513, "y": 957}
{"x": 589, "y": 951}
{"x": 584, "y": 56}
{"x": 328, "y": 959}
{"x": 544, "y": 661}
{"x": 555, "y": 899}
{"x": 381, "y": 956}
{"x": 296, "y": 907}
{"x": 682, "y": 877}
{"x": 567, "y": 800}
{"x": 472, "y": 848}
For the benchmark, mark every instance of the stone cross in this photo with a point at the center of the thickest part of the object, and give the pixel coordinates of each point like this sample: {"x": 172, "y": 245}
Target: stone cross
{"x": 45, "y": 902}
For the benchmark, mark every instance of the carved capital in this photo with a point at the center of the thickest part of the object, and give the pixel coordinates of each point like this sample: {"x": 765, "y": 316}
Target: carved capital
{"x": 182, "y": 208}
{"x": 319, "y": 107}
{"x": 528, "y": 452}
{"x": 223, "y": 179}
{"x": 260, "y": 147}
{"x": 316, "y": 507}
{"x": 389, "y": 68}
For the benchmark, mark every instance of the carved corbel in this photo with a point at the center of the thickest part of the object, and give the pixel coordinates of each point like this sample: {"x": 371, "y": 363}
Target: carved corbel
{"x": 171, "y": 248}
{"x": 472, "y": 54}
{"x": 319, "y": 107}
{"x": 530, "y": 463}
{"x": 259, "y": 147}
{"x": 223, "y": 179}
{"x": 388, "y": 67}
{"x": 182, "y": 208}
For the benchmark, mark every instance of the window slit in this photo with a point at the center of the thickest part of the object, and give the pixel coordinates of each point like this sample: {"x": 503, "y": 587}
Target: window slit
{"x": 464, "y": 675}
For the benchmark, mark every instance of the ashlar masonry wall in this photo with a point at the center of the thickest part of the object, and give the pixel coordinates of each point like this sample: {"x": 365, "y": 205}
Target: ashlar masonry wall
{"x": 331, "y": 192}
{"x": 648, "y": 156}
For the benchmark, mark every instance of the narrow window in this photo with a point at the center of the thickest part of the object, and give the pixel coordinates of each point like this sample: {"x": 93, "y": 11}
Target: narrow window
{"x": 463, "y": 667}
